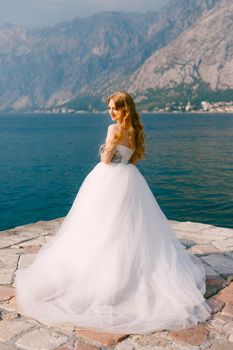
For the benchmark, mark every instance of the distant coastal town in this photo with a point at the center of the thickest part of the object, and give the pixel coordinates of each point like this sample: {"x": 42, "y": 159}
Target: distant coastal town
{"x": 216, "y": 107}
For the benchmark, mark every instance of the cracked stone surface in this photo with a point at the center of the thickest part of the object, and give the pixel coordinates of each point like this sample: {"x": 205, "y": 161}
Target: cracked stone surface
{"x": 10, "y": 329}
{"x": 221, "y": 264}
{"x": 213, "y": 245}
{"x": 40, "y": 339}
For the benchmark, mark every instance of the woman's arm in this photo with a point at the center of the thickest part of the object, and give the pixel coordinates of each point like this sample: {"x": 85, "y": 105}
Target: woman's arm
{"x": 107, "y": 154}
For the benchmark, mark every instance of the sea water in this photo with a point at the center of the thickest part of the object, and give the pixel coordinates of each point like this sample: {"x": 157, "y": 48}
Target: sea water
{"x": 45, "y": 157}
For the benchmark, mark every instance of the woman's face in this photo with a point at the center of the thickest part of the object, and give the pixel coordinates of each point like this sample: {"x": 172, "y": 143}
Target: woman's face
{"x": 116, "y": 114}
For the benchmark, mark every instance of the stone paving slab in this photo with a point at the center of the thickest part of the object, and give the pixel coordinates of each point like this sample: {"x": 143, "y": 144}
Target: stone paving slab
{"x": 221, "y": 264}
{"x": 213, "y": 245}
{"x": 6, "y": 293}
{"x": 39, "y": 339}
{"x": 10, "y": 305}
{"x": 6, "y": 278}
{"x": 204, "y": 248}
{"x": 9, "y": 329}
{"x": 107, "y": 339}
{"x": 26, "y": 260}
{"x": 224, "y": 244}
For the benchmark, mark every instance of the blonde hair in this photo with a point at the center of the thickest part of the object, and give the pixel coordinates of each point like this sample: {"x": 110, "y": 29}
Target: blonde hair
{"x": 131, "y": 122}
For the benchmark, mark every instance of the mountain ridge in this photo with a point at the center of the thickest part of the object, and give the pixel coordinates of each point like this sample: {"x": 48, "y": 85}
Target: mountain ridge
{"x": 88, "y": 58}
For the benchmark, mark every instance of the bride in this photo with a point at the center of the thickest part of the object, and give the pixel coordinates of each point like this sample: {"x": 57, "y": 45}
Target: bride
{"x": 115, "y": 263}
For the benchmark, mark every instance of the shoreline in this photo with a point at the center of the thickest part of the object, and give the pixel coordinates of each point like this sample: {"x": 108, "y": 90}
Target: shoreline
{"x": 213, "y": 245}
{"x": 104, "y": 112}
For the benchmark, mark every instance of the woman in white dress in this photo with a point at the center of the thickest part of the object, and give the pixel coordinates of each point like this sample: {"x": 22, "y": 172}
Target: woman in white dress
{"x": 115, "y": 264}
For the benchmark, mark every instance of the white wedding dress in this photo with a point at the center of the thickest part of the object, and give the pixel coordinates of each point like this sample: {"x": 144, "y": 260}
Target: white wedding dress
{"x": 115, "y": 264}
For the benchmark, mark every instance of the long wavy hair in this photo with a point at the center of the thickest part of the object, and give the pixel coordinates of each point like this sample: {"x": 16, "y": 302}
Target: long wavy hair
{"x": 130, "y": 122}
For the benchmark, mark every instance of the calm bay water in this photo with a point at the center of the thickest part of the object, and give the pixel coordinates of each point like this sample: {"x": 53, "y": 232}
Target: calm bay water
{"x": 45, "y": 157}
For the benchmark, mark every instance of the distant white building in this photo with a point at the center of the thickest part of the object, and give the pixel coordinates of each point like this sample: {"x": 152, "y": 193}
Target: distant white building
{"x": 205, "y": 105}
{"x": 188, "y": 107}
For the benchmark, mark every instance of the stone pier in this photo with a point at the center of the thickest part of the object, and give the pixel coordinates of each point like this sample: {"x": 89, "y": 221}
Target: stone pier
{"x": 213, "y": 245}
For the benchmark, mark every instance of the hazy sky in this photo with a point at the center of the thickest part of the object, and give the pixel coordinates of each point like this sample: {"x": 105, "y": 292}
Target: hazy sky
{"x": 50, "y": 12}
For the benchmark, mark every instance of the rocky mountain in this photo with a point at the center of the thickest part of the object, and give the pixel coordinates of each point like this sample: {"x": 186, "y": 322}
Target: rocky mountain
{"x": 201, "y": 57}
{"x": 49, "y": 66}
{"x": 185, "y": 46}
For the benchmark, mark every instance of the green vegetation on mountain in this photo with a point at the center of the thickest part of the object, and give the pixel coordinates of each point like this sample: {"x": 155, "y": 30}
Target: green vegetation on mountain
{"x": 179, "y": 96}
{"x": 86, "y": 103}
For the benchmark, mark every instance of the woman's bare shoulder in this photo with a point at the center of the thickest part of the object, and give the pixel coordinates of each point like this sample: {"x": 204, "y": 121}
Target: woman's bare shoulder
{"x": 113, "y": 127}
{"x": 111, "y": 132}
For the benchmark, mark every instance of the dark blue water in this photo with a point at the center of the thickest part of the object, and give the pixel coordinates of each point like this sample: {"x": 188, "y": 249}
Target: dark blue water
{"x": 45, "y": 158}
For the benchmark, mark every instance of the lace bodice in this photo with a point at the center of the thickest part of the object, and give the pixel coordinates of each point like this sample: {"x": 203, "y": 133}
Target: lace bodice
{"x": 122, "y": 153}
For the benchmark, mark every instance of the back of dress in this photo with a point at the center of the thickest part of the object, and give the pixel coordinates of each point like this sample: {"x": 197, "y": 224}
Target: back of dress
{"x": 122, "y": 154}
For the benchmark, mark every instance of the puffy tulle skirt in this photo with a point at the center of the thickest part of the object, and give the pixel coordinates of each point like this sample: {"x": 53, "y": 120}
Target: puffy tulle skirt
{"x": 115, "y": 264}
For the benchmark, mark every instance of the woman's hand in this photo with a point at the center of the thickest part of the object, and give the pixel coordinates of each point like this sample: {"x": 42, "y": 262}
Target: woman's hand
{"x": 106, "y": 154}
